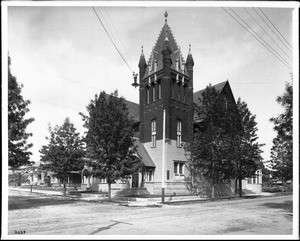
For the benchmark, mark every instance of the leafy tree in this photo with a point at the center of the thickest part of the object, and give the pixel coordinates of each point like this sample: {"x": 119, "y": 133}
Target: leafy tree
{"x": 209, "y": 151}
{"x": 281, "y": 160}
{"x": 109, "y": 138}
{"x": 64, "y": 151}
{"x": 18, "y": 148}
{"x": 247, "y": 149}
{"x": 266, "y": 175}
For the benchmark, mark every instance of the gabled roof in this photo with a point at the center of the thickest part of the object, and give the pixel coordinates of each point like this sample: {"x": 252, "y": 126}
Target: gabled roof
{"x": 156, "y": 54}
{"x": 133, "y": 109}
{"x": 143, "y": 154}
{"x": 219, "y": 87}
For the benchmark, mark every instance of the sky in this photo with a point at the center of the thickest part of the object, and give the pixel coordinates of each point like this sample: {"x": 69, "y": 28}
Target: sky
{"x": 63, "y": 56}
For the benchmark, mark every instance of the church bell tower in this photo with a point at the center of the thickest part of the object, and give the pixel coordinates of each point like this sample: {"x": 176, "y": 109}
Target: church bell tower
{"x": 166, "y": 83}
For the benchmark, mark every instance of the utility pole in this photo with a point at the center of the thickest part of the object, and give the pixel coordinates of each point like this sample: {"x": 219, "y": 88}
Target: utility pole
{"x": 163, "y": 159}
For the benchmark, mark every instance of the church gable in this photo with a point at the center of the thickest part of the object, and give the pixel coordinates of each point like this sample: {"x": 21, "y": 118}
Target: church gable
{"x": 155, "y": 62}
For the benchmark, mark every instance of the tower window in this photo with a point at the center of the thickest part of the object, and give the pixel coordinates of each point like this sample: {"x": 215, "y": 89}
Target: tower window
{"x": 147, "y": 95}
{"x": 173, "y": 90}
{"x": 159, "y": 91}
{"x": 179, "y": 92}
{"x": 153, "y": 93}
{"x": 184, "y": 94}
{"x": 153, "y": 133}
{"x": 178, "y": 133}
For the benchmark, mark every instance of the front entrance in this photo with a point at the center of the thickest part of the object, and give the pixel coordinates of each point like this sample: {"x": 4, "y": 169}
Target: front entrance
{"x": 135, "y": 180}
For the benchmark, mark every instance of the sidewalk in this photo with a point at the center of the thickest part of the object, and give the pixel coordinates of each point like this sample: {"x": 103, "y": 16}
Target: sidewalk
{"x": 146, "y": 201}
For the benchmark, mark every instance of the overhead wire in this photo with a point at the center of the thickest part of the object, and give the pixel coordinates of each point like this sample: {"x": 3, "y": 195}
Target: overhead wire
{"x": 118, "y": 36}
{"x": 267, "y": 33}
{"x": 112, "y": 40}
{"x": 272, "y": 30}
{"x": 275, "y": 28}
{"x": 260, "y": 37}
{"x": 280, "y": 59}
{"x": 51, "y": 103}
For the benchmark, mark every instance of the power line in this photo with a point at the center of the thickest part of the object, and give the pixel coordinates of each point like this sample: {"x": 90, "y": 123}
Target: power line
{"x": 111, "y": 39}
{"x": 74, "y": 81}
{"x": 272, "y": 30}
{"x": 51, "y": 103}
{"x": 257, "y": 39}
{"x": 267, "y": 33}
{"x": 260, "y": 37}
{"x": 276, "y": 28}
{"x": 117, "y": 33}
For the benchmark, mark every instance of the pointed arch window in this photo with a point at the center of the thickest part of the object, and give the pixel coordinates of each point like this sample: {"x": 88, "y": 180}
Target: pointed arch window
{"x": 173, "y": 90}
{"x": 153, "y": 133}
{"x": 153, "y": 93}
{"x": 159, "y": 91}
{"x": 179, "y": 93}
{"x": 179, "y": 133}
{"x": 147, "y": 96}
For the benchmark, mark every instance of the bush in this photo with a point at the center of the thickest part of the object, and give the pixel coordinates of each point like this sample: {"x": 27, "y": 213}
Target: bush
{"x": 272, "y": 189}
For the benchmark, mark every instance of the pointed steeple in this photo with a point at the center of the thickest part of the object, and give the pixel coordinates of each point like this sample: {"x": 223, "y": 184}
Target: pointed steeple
{"x": 142, "y": 64}
{"x": 190, "y": 63}
{"x": 189, "y": 59}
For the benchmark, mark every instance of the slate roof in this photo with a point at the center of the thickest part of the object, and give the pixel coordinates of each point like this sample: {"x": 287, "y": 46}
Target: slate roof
{"x": 133, "y": 109}
{"x": 143, "y": 154}
{"x": 219, "y": 87}
{"x": 157, "y": 55}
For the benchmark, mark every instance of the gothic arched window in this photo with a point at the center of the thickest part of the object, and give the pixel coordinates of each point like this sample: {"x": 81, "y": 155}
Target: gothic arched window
{"x": 147, "y": 95}
{"x": 179, "y": 133}
{"x": 153, "y": 133}
{"x": 153, "y": 93}
{"x": 159, "y": 91}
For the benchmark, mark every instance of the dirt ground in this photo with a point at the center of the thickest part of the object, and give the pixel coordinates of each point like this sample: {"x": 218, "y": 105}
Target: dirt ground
{"x": 38, "y": 214}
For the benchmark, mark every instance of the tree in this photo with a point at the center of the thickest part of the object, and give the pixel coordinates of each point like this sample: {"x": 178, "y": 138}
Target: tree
{"x": 281, "y": 160}
{"x": 209, "y": 151}
{"x": 248, "y": 153}
{"x": 18, "y": 148}
{"x": 64, "y": 151}
{"x": 109, "y": 138}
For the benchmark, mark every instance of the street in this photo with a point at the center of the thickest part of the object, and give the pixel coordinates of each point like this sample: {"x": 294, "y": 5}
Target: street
{"x": 48, "y": 215}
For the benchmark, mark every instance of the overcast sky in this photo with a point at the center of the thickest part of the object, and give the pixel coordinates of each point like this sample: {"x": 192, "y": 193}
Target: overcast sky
{"x": 63, "y": 57}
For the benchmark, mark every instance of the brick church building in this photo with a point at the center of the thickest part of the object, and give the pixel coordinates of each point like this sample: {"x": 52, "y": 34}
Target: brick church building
{"x": 165, "y": 84}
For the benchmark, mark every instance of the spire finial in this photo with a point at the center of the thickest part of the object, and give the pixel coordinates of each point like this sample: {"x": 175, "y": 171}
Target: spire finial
{"x": 189, "y": 48}
{"x": 166, "y": 16}
{"x": 142, "y": 50}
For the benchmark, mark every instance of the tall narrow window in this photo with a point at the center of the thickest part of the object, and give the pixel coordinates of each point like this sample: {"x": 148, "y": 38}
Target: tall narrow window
{"x": 147, "y": 95}
{"x": 173, "y": 90}
{"x": 178, "y": 133}
{"x": 179, "y": 170}
{"x": 159, "y": 91}
{"x": 184, "y": 94}
{"x": 153, "y": 133}
{"x": 179, "y": 93}
{"x": 153, "y": 93}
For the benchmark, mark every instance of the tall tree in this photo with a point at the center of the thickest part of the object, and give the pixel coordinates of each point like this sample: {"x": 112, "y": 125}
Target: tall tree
{"x": 18, "y": 148}
{"x": 209, "y": 151}
{"x": 109, "y": 138}
{"x": 64, "y": 151}
{"x": 281, "y": 160}
{"x": 248, "y": 153}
